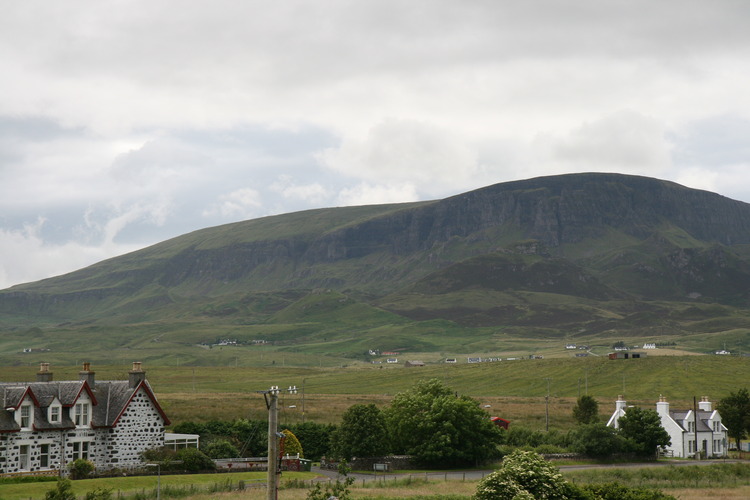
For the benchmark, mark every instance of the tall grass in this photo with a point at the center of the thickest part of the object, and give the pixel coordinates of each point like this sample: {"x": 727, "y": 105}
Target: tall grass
{"x": 724, "y": 475}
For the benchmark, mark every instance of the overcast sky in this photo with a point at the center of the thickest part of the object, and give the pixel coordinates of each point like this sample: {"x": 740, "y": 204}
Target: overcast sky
{"x": 124, "y": 123}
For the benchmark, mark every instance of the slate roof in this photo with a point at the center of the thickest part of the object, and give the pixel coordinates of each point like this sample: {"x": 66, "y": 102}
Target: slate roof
{"x": 109, "y": 399}
{"x": 703, "y": 417}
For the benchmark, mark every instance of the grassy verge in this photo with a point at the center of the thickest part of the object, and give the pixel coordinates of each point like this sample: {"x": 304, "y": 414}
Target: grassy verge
{"x": 125, "y": 486}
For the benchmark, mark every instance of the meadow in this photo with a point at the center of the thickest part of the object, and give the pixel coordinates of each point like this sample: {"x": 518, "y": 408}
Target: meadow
{"x": 515, "y": 390}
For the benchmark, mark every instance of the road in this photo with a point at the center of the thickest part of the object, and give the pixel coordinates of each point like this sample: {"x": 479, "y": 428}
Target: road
{"x": 475, "y": 475}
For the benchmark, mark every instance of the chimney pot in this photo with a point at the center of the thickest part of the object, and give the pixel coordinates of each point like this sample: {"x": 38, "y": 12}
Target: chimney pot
{"x": 87, "y": 375}
{"x": 136, "y": 375}
{"x": 44, "y": 375}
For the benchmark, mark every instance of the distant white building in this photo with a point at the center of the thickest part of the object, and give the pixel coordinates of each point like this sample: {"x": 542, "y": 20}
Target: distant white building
{"x": 649, "y": 345}
{"x": 710, "y": 434}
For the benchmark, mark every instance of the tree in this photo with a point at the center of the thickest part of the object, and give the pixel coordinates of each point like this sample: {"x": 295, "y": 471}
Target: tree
{"x": 439, "y": 428}
{"x": 596, "y": 440}
{"x": 644, "y": 431}
{"x": 315, "y": 438}
{"x": 362, "y": 433}
{"x": 586, "y": 410}
{"x": 292, "y": 445}
{"x": 221, "y": 448}
{"x": 735, "y": 414}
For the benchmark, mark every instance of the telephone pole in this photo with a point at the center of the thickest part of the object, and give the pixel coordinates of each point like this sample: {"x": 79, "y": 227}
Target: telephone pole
{"x": 546, "y": 406}
{"x": 272, "y": 403}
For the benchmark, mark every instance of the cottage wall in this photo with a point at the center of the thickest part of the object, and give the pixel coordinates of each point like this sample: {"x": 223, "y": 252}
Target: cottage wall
{"x": 140, "y": 428}
{"x": 10, "y": 450}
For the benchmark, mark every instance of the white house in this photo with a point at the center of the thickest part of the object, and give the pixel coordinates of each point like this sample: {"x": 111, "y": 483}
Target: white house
{"x": 45, "y": 425}
{"x": 681, "y": 427}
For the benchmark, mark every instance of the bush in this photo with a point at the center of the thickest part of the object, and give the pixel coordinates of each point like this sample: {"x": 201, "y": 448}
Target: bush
{"x": 524, "y": 475}
{"x": 616, "y": 491}
{"x": 63, "y": 491}
{"x": 221, "y": 449}
{"x": 99, "y": 494}
{"x": 597, "y": 440}
{"x": 194, "y": 460}
{"x": 80, "y": 468}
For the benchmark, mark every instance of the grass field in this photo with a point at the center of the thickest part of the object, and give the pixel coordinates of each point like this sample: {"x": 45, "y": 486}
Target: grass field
{"x": 687, "y": 482}
{"x": 513, "y": 389}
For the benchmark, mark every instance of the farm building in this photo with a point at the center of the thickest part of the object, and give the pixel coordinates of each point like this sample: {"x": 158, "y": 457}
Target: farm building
{"x": 626, "y": 355}
{"x": 683, "y": 426}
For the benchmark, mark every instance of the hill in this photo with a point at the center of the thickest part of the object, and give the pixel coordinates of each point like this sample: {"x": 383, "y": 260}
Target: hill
{"x": 592, "y": 256}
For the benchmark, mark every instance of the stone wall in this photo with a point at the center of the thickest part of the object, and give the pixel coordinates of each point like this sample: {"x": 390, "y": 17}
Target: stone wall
{"x": 140, "y": 428}
{"x": 395, "y": 462}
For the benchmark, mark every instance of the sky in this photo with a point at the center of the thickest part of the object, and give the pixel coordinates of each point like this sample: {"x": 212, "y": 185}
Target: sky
{"x": 126, "y": 123}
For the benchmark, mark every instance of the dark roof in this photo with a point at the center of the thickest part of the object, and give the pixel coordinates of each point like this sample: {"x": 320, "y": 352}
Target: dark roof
{"x": 703, "y": 417}
{"x": 110, "y": 399}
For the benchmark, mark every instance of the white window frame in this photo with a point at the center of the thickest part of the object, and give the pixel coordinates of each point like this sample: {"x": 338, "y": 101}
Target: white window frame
{"x": 81, "y": 449}
{"x": 26, "y": 416}
{"x": 82, "y": 414}
{"x": 44, "y": 453}
{"x": 24, "y": 451}
{"x": 54, "y": 414}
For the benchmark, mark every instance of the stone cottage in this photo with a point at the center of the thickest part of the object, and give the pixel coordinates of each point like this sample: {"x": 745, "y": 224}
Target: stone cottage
{"x": 45, "y": 425}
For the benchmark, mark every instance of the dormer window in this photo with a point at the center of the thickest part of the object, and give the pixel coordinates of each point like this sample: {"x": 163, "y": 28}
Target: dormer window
{"x": 54, "y": 414}
{"x": 25, "y": 417}
{"x": 81, "y": 415}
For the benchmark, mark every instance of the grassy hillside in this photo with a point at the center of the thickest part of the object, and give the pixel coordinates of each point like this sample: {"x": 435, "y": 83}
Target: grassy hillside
{"x": 514, "y": 268}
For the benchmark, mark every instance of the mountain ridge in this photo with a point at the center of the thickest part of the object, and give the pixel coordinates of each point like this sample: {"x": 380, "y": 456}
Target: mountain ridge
{"x": 608, "y": 245}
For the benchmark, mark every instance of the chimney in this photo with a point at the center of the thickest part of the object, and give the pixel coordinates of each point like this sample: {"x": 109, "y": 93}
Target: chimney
{"x": 705, "y": 404}
{"x": 44, "y": 375}
{"x": 662, "y": 407}
{"x": 86, "y": 374}
{"x": 136, "y": 375}
{"x": 620, "y": 404}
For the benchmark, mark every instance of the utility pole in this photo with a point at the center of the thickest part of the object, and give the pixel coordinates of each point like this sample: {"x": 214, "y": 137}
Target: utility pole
{"x": 272, "y": 403}
{"x": 587, "y": 382}
{"x": 273, "y": 442}
{"x": 546, "y": 406}
{"x": 695, "y": 427}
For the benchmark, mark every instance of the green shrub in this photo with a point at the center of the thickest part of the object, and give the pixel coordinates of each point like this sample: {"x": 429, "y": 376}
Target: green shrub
{"x": 63, "y": 491}
{"x": 221, "y": 449}
{"x": 194, "y": 460}
{"x": 616, "y": 491}
{"x": 523, "y": 475}
{"x": 99, "y": 494}
{"x": 80, "y": 468}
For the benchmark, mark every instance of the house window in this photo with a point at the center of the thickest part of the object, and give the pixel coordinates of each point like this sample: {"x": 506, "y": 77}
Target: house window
{"x": 23, "y": 457}
{"x": 26, "y": 416}
{"x": 82, "y": 414}
{"x": 81, "y": 450}
{"x": 44, "y": 456}
{"x": 54, "y": 414}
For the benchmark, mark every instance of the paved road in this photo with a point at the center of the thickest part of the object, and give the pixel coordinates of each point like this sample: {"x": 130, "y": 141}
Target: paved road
{"x": 474, "y": 475}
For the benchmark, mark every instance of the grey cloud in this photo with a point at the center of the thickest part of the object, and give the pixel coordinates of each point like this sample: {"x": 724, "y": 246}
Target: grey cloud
{"x": 715, "y": 141}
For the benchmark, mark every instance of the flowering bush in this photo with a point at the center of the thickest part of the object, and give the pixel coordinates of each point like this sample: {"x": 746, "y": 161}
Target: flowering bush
{"x": 523, "y": 475}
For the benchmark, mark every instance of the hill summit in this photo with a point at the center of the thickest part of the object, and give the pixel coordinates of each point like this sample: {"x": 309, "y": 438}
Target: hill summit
{"x": 560, "y": 255}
